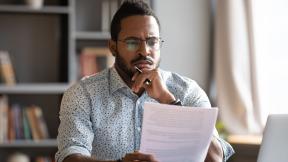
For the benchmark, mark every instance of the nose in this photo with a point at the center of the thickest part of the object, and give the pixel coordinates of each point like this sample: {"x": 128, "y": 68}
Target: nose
{"x": 144, "y": 49}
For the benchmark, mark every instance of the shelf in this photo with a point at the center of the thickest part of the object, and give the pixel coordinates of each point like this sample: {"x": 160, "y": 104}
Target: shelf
{"x": 29, "y": 144}
{"x": 92, "y": 35}
{"x": 27, "y": 9}
{"x": 49, "y": 88}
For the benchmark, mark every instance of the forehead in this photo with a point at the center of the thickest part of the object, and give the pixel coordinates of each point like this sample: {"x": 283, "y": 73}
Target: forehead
{"x": 139, "y": 26}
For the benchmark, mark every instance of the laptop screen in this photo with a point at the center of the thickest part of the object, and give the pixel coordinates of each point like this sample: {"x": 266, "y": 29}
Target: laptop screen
{"x": 274, "y": 146}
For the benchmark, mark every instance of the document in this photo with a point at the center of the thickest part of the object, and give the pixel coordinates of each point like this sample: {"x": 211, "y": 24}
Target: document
{"x": 177, "y": 133}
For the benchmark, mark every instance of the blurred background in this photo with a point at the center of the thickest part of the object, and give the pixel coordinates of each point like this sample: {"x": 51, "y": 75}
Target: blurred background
{"x": 235, "y": 49}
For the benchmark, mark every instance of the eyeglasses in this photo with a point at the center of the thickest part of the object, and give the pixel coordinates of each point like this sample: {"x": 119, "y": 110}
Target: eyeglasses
{"x": 133, "y": 43}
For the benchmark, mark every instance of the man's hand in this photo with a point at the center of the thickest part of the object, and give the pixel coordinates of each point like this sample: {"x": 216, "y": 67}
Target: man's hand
{"x": 156, "y": 89}
{"x": 215, "y": 153}
{"x": 139, "y": 157}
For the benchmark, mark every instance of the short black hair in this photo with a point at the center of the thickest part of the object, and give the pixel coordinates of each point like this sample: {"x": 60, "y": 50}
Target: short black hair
{"x": 129, "y": 8}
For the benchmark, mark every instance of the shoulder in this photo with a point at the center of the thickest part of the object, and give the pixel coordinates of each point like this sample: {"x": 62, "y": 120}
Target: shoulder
{"x": 177, "y": 80}
{"x": 185, "y": 89}
{"x": 88, "y": 82}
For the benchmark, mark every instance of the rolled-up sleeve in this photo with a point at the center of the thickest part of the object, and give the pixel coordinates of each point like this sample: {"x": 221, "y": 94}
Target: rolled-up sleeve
{"x": 75, "y": 134}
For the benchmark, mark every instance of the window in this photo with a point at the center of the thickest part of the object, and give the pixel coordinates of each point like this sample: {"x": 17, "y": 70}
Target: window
{"x": 271, "y": 46}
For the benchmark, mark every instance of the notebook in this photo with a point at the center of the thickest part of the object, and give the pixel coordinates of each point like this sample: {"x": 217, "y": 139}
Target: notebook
{"x": 274, "y": 146}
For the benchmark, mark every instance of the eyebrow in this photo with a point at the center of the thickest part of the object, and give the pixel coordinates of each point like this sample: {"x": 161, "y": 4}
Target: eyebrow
{"x": 132, "y": 37}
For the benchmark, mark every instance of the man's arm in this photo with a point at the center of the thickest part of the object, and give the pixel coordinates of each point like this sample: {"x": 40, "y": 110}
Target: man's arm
{"x": 215, "y": 152}
{"x": 219, "y": 150}
{"x": 75, "y": 134}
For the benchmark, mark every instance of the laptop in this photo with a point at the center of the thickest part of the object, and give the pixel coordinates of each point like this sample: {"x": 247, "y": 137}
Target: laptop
{"x": 274, "y": 146}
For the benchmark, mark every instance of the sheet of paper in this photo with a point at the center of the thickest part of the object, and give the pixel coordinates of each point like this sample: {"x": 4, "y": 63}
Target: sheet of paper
{"x": 177, "y": 133}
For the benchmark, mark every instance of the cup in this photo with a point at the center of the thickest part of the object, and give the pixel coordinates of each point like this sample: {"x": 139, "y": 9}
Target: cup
{"x": 35, "y": 4}
{"x": 18, "y": 157}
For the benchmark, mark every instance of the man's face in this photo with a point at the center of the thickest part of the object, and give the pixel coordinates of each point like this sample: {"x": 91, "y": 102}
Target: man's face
{"x": 132, "y": 50}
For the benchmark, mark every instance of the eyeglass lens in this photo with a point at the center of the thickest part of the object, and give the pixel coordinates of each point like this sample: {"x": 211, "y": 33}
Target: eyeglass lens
{"x": 134, "y": 44}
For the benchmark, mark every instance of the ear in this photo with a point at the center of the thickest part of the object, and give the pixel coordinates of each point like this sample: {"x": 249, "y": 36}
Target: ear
{"x": 112, "y": 46}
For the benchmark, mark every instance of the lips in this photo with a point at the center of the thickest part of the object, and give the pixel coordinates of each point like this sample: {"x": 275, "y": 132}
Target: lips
{"x": 143, "y": 64}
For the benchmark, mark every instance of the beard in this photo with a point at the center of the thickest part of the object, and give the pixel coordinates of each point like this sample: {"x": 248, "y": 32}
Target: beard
{"x": 124, "y": 66}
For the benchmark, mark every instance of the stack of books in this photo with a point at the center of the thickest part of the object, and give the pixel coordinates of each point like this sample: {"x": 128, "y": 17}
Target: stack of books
{"x": 21, "y": 123}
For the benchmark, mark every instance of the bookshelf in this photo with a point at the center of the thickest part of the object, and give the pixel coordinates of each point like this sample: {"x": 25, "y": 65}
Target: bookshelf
{"x": 44, "y": 46}
{"x": 37, "y": 41}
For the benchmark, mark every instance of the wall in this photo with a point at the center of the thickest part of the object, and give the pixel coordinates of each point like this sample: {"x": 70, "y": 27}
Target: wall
{"x": 185, "y": 29}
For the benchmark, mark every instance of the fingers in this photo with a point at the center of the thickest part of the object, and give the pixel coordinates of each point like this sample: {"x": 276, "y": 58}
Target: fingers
{"x": 139, "y": 157}
{"x": 142, "y": 80}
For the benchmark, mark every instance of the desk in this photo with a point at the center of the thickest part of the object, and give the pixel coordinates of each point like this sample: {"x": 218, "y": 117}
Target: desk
{"x": 246, "y": 147}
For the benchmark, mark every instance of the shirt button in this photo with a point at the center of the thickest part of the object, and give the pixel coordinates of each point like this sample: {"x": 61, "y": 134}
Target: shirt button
{"x": 138, "y": 129}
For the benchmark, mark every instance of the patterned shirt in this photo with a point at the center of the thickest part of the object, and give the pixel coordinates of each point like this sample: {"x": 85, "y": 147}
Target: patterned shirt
{"x": 101, "y": 116}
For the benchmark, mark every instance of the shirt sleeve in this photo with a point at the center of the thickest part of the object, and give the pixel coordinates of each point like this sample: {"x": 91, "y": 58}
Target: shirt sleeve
{"x": 196, "y": 97}
{"x": 75, "y": 134}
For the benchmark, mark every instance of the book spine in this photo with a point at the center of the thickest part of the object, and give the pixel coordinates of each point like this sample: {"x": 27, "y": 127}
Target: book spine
{"x": 3, "y": 118}
{"x": 11, "y": 129}
{"x": 32, "y": 123}
{"x": 6, "y": 69}
{"x": 88, "y": 64}
{"x": 26, "y": 128}
{"x": 42, "y": 126}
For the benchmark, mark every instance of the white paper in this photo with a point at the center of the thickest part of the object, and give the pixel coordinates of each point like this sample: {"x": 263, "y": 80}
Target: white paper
{"x": 177, "y": 133}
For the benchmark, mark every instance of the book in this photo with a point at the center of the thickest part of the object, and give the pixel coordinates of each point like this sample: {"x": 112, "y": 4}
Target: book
{"x": 17, "y": 121}
{"x": 33, "y": 123}
{"x": 6, "y": 69}
{"x": 26, "y": 127}
{"x": 3, "y": 118}
{"x": 11, "y": 125}
{"x": 95, "y": 59}
{"x": 41, "y": 124}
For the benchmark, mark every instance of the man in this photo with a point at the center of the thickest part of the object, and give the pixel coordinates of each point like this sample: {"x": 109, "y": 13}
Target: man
{"x": 101, "y": 116}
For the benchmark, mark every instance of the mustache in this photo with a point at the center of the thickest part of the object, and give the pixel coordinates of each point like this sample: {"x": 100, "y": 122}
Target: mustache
{"x": 143, "y": 58}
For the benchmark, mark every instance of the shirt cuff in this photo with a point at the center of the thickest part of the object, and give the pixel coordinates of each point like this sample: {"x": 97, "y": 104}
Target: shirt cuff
{"x": 60, "y": 156}
{"x": 226, "y": 148}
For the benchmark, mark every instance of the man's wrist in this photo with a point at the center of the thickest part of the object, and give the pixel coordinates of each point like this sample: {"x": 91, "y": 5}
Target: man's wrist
{"x": 166, "y": 98}
{"x": 176, "y": 102}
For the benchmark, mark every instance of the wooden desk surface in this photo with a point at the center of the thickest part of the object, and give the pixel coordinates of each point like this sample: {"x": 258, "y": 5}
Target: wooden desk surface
{"x": 246, "y": 147}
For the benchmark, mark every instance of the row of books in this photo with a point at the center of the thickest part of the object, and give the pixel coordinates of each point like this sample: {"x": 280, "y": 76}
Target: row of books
{"x": 21, "y": 123}
{"x": 91, "y": 61}
{"x": 7, "y": 74}
{"x": 94, "y": 59}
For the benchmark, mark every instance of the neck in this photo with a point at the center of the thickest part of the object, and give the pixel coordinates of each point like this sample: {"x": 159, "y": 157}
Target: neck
{"x": 127, "y": 79}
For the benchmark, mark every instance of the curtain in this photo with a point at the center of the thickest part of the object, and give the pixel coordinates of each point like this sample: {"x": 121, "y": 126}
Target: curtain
{"x": 235, "y": 68}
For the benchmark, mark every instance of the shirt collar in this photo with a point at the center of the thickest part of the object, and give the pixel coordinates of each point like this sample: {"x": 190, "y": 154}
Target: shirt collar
{"x": 115, "y": 81}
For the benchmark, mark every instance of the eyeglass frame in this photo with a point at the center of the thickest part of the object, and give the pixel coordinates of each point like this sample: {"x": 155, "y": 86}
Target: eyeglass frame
{"x": 159, "y": 39}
